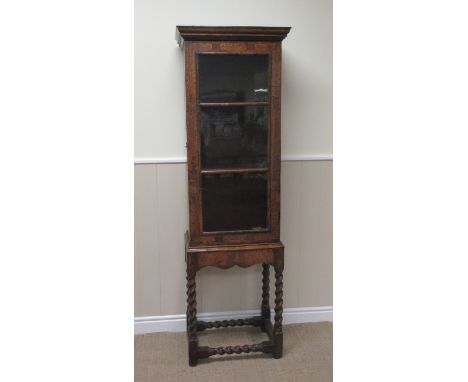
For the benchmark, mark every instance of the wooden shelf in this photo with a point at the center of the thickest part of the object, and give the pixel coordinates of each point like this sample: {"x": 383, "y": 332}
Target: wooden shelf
{"x": 233, "y": 104}
{"x": 234, "y": 170}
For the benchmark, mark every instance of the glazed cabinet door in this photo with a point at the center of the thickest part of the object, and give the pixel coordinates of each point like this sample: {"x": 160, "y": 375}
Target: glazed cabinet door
{"x": 232, "y": 128}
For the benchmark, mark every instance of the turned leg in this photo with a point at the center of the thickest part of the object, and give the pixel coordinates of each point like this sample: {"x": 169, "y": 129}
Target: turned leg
{"x": 192, "y": 318}
{"x": 278, "y": 326}
{"x": 265, "y": 291}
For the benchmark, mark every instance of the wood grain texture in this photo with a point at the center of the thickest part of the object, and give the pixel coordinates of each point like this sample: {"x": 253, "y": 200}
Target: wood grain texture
{"x": 265, "y": 307}
{"x": 235, "y": 170}
{"x": 225, "y": 33}
{"x": 229, "y": 255}
{"x": 227, "y": 104}
{"x": 197, "y": 236}
{"x": 225, "y": 257}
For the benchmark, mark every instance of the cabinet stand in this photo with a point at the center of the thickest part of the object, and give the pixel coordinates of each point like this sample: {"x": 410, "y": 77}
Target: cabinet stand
{"x": 226, "y": 256}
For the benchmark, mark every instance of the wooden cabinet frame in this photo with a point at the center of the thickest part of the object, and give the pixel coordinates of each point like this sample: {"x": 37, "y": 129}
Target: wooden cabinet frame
{"x": 192, "y": 50}
{"x": 244, "y": 248}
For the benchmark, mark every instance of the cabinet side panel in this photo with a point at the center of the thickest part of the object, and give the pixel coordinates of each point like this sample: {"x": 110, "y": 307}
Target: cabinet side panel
{"x": 193, "y": 163}
{"x": 275, "y": 144}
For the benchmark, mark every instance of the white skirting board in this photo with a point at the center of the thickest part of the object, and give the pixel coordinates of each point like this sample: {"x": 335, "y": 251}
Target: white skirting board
{"x": 176, "y": 323}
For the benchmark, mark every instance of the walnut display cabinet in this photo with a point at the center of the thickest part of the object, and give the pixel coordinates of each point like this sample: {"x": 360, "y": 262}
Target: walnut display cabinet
{"x": 233, "y": 105}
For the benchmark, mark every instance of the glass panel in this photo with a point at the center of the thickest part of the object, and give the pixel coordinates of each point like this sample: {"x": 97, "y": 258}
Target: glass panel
{"x": 233, "y": 136}
{"x": 233, "y": 77}
{"x": 234, "y": 202}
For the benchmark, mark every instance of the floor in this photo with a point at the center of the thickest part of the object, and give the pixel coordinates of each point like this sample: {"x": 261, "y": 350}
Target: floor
{"x": 307, "y": 356}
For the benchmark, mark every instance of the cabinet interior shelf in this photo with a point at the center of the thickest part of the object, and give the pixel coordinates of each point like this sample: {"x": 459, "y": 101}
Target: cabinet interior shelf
{"x": 233, "y": 104}
{"x": 235, "y": 170}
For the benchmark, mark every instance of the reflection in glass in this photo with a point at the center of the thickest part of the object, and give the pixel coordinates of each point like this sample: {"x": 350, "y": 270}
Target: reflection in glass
{"x": 233, "y": 136}
{"x": 234, "y": 202}
{"x": 233, "y": 77}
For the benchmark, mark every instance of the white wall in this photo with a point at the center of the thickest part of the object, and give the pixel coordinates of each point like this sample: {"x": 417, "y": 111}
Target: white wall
{"x": 159, "y": 75}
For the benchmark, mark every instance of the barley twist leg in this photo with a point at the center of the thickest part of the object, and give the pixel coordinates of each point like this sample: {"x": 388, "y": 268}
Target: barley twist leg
{"x": 278, "y": 326}
{"x": 192, "y": 318}
{"x": 266, "y": 291}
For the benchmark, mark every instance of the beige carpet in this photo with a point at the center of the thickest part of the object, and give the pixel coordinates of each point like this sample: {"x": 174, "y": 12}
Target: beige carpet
{"x": 307, "y": 356}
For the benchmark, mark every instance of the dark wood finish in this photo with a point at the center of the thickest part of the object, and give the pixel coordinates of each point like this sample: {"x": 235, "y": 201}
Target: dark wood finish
{"x": 268, "y": 328}
{"x": 222, "y": 104}
{"x": 229, "y": 255}
{"x": 203, "y": 33}
{"x": 226, "y": 256}
{"x": 265, "y": 308}
{"x": 197, "y": 236}
{"x": 192, "y": 317}
{"x": 264, "y": 347}
{"x": 246, "y": 247}
{"x": 234, "y": 170}
{"x": 252, "y": 321}
{"x": 278, "y": 327}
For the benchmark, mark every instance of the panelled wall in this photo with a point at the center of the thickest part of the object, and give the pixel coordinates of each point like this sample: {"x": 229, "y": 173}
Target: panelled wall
{"x": 161, "y": 218}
